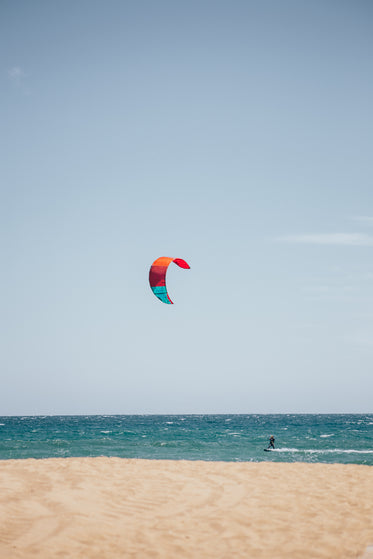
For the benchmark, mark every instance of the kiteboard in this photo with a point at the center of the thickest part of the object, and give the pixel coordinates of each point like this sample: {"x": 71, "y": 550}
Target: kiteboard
{"x": 268, "y": 449}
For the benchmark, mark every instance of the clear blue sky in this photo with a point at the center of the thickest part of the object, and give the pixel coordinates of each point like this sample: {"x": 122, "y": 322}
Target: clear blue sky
{"x": 236, "y": 135}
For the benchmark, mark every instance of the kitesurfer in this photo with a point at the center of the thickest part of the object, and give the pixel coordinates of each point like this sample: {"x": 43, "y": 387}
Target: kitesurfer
{"x": 271, "y": 442}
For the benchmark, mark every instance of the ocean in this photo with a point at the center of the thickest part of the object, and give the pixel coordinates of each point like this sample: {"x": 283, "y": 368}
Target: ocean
{"x": 344, "y": 439}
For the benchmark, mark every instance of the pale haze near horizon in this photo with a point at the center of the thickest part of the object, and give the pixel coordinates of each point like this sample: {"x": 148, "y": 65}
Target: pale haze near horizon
{"x": 235, "y": 135}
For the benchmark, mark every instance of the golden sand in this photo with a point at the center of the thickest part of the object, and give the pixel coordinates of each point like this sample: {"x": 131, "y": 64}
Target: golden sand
{"x": 116, "y": 508}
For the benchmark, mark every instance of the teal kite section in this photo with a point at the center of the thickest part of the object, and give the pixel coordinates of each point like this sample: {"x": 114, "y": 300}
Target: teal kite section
{"x": 160, "y": 291}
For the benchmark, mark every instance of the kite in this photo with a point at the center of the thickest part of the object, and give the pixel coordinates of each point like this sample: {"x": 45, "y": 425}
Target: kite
{"x": 157, "y": 276}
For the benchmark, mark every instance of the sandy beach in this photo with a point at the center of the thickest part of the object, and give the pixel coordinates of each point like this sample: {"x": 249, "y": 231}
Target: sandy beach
{"x": 111, "y": 508}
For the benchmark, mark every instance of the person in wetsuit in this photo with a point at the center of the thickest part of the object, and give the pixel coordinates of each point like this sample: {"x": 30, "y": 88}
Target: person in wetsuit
{"x": 271, "y": 442}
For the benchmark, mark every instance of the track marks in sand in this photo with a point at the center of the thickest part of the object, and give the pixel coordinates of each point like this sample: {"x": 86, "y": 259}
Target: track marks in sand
{"x": 31, "y": 516}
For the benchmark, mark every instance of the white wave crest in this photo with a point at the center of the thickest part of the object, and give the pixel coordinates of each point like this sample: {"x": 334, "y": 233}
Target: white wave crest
{"x": 324, "y": 451}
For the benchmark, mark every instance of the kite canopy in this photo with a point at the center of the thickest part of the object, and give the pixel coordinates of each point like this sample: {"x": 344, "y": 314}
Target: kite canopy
{"x": 157, "y": 276}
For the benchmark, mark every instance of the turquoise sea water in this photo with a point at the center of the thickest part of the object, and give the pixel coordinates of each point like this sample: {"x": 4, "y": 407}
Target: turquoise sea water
{"x": 346, "y": 439}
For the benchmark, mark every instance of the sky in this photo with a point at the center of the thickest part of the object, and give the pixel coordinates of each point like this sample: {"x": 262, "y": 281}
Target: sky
{"x": 236, "y": 135}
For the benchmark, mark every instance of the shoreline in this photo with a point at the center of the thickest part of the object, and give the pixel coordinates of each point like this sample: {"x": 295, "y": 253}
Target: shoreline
{"x": 117, "y": 507}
